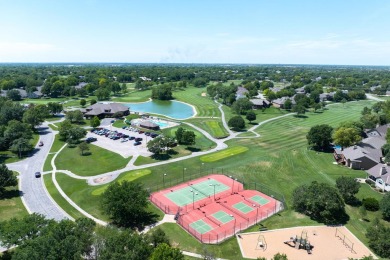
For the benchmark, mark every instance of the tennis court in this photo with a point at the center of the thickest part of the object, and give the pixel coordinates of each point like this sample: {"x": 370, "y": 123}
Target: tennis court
{"x": 241, "y": 206}
{"x": 260, "y": 200}
{"x": 200, "y": 226}
{"x": 222, "y": 217}
{"x": 196, "y": 191}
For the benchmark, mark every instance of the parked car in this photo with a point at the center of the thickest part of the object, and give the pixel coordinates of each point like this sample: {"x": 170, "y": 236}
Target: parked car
{"x": 137, "y": 143}
{"x": 124, "y": 140}
{"x": 153, "y": 135}
{"x": 37, "y": 175}
{"x": 147, "y": 133}
{"x": 131, "y": 137}
{"x": 138, "y": 139}
{"x": 40, "y": 143}
{"x": 140, "y": 132}
{"x": 91, "y": 139}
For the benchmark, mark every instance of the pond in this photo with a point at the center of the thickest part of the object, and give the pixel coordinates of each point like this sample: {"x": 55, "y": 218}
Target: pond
{"x": 172, "y": 109}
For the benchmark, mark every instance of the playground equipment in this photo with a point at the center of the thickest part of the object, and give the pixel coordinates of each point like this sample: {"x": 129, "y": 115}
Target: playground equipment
{"x": 301, "y": 242}
{"x": 348, "y": 243}
{"x": 261, "y": 243}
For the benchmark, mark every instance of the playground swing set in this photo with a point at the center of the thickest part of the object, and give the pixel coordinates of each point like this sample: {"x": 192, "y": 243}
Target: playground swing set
{"x": 301, "y": 242}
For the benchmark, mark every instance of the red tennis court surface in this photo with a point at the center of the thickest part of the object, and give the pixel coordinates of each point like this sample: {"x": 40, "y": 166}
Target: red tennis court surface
{"x": 215, "y": 207}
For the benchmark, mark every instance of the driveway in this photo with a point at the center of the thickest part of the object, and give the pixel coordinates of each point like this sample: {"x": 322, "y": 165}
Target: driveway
{"x": 34, "y": 194}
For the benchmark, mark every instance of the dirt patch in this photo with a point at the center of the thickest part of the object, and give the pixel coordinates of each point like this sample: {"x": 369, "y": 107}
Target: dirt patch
{"x": 263, "y": 164}
{"x": 102, "y": 179}
{"x": 326, "y": 243}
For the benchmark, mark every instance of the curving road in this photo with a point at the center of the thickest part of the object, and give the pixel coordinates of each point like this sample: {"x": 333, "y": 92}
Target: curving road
{"x": 33, "y": 190}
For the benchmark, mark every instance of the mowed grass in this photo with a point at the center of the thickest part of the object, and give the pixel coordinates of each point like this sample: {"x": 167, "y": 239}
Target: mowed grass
{"x": 88, "y": 197}
{"x": 134, "y": 96}
{"x": 11, "y": 205}
{"x": 212, "y": 126}
{"x": 55, "y": 194}
{"x": 201, "y": 141}
{"x": 204, "y": 105}
{"x": 99, "y": 161}
{"x": 223, "y": 154}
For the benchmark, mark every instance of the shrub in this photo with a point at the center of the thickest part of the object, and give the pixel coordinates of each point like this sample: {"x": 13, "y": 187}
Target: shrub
{"x": 371, "y": 204}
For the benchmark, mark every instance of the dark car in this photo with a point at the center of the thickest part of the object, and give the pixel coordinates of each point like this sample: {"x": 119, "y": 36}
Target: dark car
{"x": 131, "y": 137}
{"x": 140, "y": 132}
{"x": 138, "y": 139}
{"x": 40, "y": 143}
{"x": 37, "y": 175}
{"x": 137, "y": 143}
{"x": 153, "y": 135}
{"x": 91, "y": 139}
{"x": 147, "y": 133}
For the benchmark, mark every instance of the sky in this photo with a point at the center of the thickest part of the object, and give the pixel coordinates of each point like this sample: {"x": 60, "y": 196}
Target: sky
{"x": 347, "y": 32}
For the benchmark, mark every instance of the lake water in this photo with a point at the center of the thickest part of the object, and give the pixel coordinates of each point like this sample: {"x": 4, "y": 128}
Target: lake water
{"x": 173, "y": 109}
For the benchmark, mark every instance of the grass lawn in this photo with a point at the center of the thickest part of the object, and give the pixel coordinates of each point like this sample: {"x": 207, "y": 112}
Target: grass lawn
{"x": 279, "y": 159}
{"x": 201, "y": 142}
{"x": 54, "y": 193}
{"x": 204, "y": 105}
{"x": 88, "y": 197}
{"x": 223, "y": 154}
{"x": 47, "y": 165}
{"x": 212, "y": 126}
{"x": 120, "y": 122}
{"x": 99, "y": 161}
{"x": 11, "y": 205}
{"x": 134, "y": 96}
{"x": 57, "y": 144}
{"x": 10, "y": 157}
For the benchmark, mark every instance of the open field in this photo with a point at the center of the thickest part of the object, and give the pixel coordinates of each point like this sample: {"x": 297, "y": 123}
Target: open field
{"x": 223, "y": 154}
{"x": 203, "y": 104}
{"x": 134, "y": 96}
{"x": 99, "y": 161}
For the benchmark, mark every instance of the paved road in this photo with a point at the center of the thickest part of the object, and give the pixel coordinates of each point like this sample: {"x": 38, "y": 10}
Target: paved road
{"x": 34, "y": 193}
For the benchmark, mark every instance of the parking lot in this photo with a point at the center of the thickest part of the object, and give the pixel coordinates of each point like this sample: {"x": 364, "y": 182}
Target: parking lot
{"x": 121, "y": 141}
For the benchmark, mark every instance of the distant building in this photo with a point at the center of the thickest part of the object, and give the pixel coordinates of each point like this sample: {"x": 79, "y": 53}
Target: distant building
{"x": 241, "y": 92}
{"x": 259, "y": 103}
{"x": 149, "y": 125}
{"x": 279, "y": 103}
{"x": 102, "y": 110}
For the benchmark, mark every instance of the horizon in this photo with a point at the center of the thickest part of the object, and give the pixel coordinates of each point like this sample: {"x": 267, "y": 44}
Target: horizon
{"x": 349, "y": 33}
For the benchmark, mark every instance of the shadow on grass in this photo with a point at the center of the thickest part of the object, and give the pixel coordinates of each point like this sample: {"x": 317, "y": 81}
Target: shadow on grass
{"x": 10, "y": 194}
{"x": 300, "y": 116}
{"x": 193, "y": 149}
{"x": 253, "y": 123}
{"x": 161, "y": 157}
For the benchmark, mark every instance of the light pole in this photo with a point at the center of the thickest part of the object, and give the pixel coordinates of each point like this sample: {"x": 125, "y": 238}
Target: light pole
{"x": 164, "y": 179}
{"x": 257, "y": 211}
{"x": 184, "y": 169}
{"x": 193, "y": 199}
{"x": 233, "y": 184}
{"x": 234, "y": 227}
{"x": 274, "y": 203}
{"x": 214, "y": 188}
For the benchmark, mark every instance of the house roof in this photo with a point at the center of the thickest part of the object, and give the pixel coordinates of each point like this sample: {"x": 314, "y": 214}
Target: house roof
{"x": 380, "y": 171}
{"x": 241, "y": 91}
{"x": 356, "y": 153}
{"x": 282, "y": 100}
{"x": 259, "y": 101}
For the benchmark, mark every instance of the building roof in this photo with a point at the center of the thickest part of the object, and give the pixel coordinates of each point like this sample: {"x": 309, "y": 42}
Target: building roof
{"x": 380, "y": 171}
{"x": 148, "y": 124}
{"x": 282, "y": 100}
{"x": 356, "y": 153}
{"x": 101, "y": 108}
{"x": 241, "y": 91}
{"x": 259, "y": 101}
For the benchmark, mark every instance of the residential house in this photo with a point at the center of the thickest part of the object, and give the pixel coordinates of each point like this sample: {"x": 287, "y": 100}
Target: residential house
{"x": 102, "y": 110}
{"x": 380, "y": 173}
{"x": 259, "y": 103}
{"x": 241, "y": 92}
{"x": 327, "y": 96}
{"x": 279, "y": 103}
{"x": 300, "y": 90}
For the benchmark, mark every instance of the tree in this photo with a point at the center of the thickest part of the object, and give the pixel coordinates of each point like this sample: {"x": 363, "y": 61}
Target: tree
{"x": 242, "y": 105}
{"x": 250, "y": 116}
{"x": 379, "y": 239}
{"x": 164, "y": 251}
{"x": 371, "y": 204}
{"x": 236, "y": 122}
{"x": 7, "y": 178}
{"x": 83, "y": 146}
{"x": 102, "y": 93}
{"x": 83, "y": 102}
{"x": 14, "y": 95}
{"x": 75, "y": 116}
{"x": 346, "y": 136}
{"x": 320, "y": 202}
{"x": 54, "y": 108}
{"x": 280, "y": 256}
{"x": 157, "y": 145}
{"x": 35, "y": 115}
{"x": 93, "y": 101}
{"x": 94, "y": 122}
{"x": 188, "y": 138}
{"x": 320, "y": 136}
{"x": 157, "y": 237}
{"x": 299, "y": 109}
{"x": 288, "y": 104}
{"x": 115, "y": 87}
{"x": 385, "y": 206}
{"x": 21, "y": 146}
{"x": 348, "y": 188}
{"x": 162, "y": 92}
{"x": 70, "y": 133}
{"x": 115, "y": 203}
{"x": 179, "y": 133}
